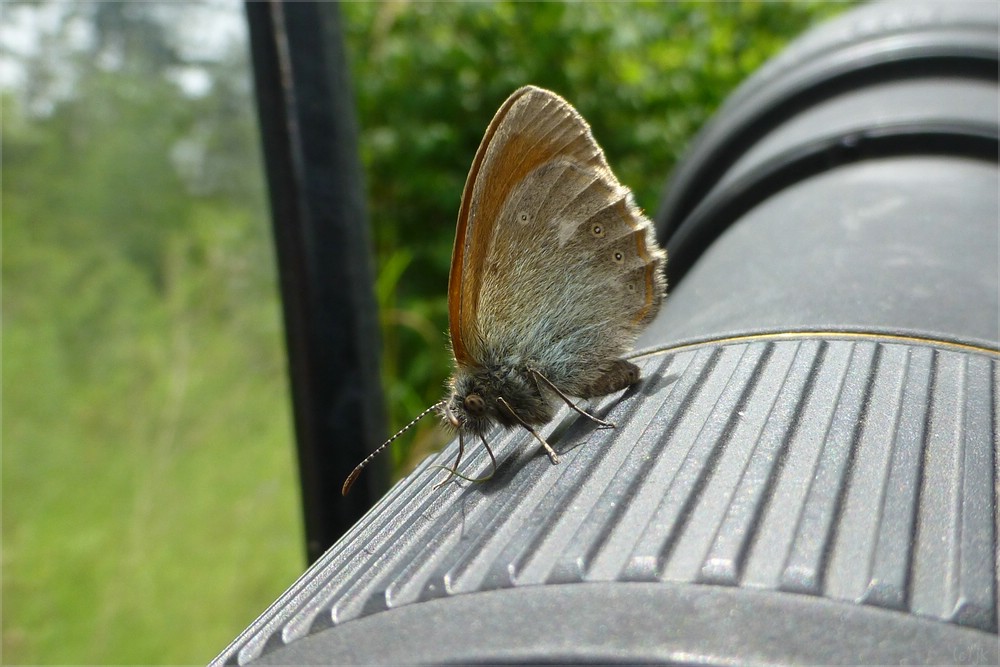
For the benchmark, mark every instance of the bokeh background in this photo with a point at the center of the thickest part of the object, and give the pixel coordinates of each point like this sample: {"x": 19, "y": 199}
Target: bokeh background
{"x": 150, "y": 505}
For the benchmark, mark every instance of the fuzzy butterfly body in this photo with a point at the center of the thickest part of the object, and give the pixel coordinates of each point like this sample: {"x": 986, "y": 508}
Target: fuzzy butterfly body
{"x": 554, "y": 273}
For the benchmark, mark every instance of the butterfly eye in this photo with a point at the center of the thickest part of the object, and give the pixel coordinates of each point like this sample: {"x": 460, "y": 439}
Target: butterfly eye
{"x": 475, "y": 405}
{"x": 597, "y": 231}
{"x": 523, "y": 217}
{"x": 619, "y": 257}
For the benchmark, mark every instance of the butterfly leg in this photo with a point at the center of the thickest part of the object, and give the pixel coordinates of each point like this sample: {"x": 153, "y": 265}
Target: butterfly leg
{"x": 493, "y": 459}
{"x": 458, "y": 459}
{"x": 569, "y": 401}
{"x": 548, "y": 449}
{"x": 453, "y": 472}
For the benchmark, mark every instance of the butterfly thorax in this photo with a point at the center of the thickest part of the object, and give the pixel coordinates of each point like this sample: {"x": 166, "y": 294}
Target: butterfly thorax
{"x": 474, "y": 404}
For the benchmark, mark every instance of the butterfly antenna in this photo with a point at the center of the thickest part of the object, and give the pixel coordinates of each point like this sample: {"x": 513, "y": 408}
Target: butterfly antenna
{"x": 378, "y": 450}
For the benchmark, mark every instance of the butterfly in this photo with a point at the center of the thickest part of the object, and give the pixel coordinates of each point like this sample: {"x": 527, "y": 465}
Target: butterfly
{"x": 554, "y": 273}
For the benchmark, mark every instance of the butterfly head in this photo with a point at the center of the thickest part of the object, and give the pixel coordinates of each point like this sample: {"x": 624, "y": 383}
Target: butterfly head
{"x": 481, "y": 397}
{"x": 468, "y": 411}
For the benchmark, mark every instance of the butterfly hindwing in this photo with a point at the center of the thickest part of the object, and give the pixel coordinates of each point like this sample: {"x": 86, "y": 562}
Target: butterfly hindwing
{"x": 570, "y": 287}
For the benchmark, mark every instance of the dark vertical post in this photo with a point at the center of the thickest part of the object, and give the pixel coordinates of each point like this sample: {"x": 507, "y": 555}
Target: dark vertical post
{"x": 324, "y": 256}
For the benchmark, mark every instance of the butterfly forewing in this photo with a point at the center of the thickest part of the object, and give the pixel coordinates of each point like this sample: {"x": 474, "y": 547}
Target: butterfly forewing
{"x": 530, "y": 128}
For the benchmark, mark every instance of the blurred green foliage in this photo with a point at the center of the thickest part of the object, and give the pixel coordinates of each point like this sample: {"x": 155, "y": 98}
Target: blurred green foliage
{"x": 150, "y": 503}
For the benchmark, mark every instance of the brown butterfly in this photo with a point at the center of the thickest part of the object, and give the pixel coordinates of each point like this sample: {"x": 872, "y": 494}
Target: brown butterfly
{"x": 554, "y": 273}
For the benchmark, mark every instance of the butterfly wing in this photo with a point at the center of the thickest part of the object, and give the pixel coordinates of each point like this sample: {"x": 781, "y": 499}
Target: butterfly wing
{"x": 553, "y": 263}
{"x": 529, "y": 128}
